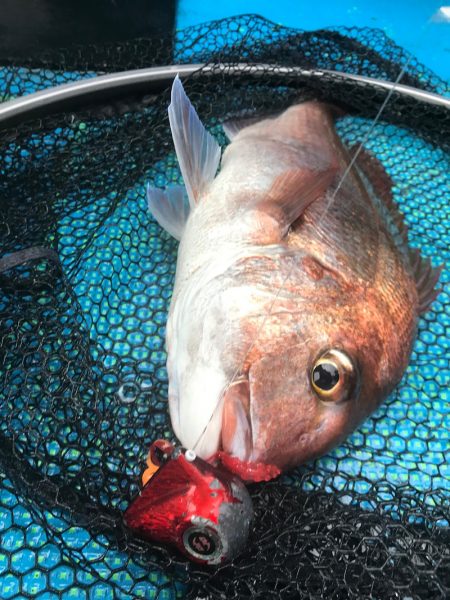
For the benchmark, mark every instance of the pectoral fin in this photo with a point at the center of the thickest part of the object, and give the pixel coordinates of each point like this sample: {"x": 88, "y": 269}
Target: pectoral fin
{"x": 293, "y": 191}
{"x": 197, "y": 151}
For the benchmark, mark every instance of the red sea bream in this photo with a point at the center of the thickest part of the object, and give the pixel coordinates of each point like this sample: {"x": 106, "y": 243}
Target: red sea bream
{"x": 296, "y": 298}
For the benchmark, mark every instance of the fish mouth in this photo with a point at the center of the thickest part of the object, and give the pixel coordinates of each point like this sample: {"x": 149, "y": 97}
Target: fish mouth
{"x": 236, "y": 434}
{"x": 238, "y": 454}
{"x": 249, "y": 471}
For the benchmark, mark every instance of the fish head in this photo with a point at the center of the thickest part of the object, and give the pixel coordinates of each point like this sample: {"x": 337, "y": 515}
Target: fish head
{"x": 306, "y": 367}
{"x": 301, "y": 400}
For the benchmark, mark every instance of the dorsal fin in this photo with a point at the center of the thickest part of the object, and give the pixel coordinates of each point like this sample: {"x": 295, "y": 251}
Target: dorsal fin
{"x": 375, "y": 171}
{"x": 426, "y": 277}
{"x": 197, "y": 151}
{"x": 382, "y": 185}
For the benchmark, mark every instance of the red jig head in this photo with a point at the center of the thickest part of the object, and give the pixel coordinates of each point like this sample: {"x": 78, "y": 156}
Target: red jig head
{"x": 203, "y": 510}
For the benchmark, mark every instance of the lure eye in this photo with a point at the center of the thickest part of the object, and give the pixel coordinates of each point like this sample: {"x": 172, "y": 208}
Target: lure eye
{"x": 333, "y": 376}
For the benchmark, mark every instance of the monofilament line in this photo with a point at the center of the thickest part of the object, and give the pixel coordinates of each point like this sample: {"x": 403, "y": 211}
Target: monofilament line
{"x": 365, "y": 138}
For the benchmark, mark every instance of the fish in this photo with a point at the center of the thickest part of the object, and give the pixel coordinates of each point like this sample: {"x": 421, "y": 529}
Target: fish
{"x": 296, "y": 298}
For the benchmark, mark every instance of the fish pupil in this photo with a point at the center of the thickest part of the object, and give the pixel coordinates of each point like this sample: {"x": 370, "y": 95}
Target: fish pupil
{"x": 325, "y": 376}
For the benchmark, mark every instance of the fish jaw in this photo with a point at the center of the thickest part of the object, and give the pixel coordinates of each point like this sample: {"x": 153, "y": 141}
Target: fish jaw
{"x": 237, "y": 453}
{"x": 236, "y": 433}
{"x": 197, "y": 422}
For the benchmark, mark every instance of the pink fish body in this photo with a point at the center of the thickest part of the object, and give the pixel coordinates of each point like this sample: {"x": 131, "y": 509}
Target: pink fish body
{"x": 296, "y": 298}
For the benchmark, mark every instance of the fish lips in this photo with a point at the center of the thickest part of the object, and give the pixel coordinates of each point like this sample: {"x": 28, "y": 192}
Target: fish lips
{"x": 237, "y": 434}
{"x": 240, "y": 430}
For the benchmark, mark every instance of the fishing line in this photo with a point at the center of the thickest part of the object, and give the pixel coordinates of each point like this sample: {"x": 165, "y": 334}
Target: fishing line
{"x": 364, "y": 140}
{"x": 330, "y": 202}
{"x": 373, "y": 124}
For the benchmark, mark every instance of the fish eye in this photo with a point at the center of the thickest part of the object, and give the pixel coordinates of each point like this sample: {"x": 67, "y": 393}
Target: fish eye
{"x": 333, "y": 376}
{"x": 325, "y": 376}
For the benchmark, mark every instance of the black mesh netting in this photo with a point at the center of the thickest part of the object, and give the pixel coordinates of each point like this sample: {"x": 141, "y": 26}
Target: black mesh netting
{"x": 83, "y": 304}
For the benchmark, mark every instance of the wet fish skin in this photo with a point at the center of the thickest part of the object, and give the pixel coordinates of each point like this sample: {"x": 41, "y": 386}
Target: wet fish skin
{"x": 278, "y": 265}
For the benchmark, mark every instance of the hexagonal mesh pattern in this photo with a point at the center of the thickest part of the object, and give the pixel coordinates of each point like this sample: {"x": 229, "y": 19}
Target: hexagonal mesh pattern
{"x": 82, "y": 329}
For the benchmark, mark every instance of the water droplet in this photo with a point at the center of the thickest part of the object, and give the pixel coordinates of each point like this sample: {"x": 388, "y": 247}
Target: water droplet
{"x": 128, "y": 392}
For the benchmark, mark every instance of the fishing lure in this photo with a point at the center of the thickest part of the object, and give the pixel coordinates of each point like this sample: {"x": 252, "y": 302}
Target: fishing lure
{"x": 194, "y": 505}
